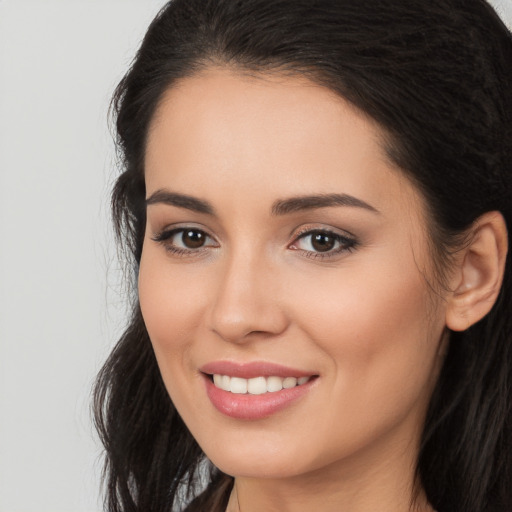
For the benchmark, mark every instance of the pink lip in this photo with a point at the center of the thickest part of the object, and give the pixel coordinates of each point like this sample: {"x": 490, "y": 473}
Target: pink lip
{"x": 253, "y": 407}
{"x": 253, "y": 369}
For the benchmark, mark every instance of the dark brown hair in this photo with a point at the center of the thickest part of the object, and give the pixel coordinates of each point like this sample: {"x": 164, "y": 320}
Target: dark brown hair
{"x": 437, "y": 77}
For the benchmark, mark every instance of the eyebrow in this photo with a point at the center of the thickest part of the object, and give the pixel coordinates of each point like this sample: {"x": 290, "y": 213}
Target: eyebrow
{"x": 295, "y": 204}
{"x": 181, "y": 201}
{"x": 280, "y": 207}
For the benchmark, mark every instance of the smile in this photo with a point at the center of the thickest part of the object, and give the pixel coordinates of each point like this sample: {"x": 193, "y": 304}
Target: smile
{"x": 257, "y": 385}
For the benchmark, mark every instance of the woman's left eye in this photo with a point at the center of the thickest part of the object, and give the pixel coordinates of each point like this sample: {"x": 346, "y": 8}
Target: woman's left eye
{"x": 184, "y": 240}
{"x": 323, "y": 243}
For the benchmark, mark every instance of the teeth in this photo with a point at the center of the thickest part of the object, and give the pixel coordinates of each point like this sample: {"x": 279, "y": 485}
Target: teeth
{"x": 237, "y": 385}
{"x": 257, "y": 385}
{"x": 274, "y": 384}
{"x": 289, "y": 382}
{"x": 224, "y": 383}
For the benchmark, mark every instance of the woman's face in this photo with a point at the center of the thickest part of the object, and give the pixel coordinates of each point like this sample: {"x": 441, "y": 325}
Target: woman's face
{"x": 283, "y": 248}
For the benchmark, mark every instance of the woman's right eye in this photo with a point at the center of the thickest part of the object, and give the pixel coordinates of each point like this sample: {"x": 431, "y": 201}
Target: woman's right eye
{"x": 184, "y": 240}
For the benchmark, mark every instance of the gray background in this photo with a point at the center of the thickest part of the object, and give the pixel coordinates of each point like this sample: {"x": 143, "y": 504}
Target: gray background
{"x": 61, "y": 298}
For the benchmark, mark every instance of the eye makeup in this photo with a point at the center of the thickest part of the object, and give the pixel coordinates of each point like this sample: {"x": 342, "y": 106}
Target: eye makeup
{"x": 314, "y": 243}
{"x": 322, "y": 243}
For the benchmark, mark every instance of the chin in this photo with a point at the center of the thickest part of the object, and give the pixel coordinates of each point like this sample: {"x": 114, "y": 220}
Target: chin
{"x": 272, "y": 468}
{"x": 263, "y": 458}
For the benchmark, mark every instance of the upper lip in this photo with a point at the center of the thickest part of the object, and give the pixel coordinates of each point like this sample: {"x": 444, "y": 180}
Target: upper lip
{"x": 252, "y": 369}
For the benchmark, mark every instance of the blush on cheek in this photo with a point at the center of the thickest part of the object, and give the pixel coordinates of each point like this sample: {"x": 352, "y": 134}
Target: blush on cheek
{"x": 370, "y": 331}
{"x": 167, "y": 295}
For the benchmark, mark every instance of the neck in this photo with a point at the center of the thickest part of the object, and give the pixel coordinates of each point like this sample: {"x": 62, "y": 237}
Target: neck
{"x": 251, "y": 496}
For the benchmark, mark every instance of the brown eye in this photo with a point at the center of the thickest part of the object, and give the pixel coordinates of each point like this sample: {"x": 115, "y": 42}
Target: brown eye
{"x": 185, "y": 240}
{"x": 322, "y": 242}
{"x": 193, "y": 238}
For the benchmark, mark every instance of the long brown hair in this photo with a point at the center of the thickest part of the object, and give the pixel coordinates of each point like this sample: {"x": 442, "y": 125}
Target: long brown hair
{"x": 437, "y": 76}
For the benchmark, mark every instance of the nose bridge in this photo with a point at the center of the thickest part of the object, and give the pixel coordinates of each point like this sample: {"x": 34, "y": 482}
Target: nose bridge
{"x": 246, "y": 300}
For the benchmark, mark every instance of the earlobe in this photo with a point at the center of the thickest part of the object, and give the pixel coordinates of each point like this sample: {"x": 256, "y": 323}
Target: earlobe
{"x": 477, "y": 280}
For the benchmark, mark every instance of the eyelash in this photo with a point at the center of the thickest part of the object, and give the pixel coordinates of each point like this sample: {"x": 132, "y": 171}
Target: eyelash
{"x": 165, "y": 236}
{"x": 346, "y": 243}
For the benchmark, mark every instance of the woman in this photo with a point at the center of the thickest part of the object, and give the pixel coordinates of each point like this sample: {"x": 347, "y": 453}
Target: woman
{"x": 316, "y": 198}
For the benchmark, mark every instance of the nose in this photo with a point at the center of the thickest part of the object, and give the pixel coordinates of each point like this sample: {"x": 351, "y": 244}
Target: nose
{"x": 247, "y": 303}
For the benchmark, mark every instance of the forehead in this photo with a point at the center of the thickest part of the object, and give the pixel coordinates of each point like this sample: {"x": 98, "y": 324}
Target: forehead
{"x": 265, "y": 134}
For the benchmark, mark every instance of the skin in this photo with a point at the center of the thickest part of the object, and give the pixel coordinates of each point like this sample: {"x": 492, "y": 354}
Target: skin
{"x": 364, "y": 319}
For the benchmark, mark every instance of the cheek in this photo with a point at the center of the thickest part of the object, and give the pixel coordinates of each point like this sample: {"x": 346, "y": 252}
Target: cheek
{"x": 380, "y": 334}
{"x": 170, "y": 303}
{"x": 172, "y": 307}
{"x": 367, "y": 316}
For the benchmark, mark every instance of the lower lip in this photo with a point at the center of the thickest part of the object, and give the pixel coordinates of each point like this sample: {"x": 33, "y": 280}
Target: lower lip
{"x": 254, "y": 407}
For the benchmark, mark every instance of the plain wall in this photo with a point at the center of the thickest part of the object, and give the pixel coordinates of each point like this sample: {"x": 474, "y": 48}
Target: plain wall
{"x": 61, "y": 302}
{"x": 61, "y": 306}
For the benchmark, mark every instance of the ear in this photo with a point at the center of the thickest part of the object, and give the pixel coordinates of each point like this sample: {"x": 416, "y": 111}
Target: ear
{"x": 477, "y": 279}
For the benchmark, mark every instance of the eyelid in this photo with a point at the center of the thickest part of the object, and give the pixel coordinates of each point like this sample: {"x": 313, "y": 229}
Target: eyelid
{"x": 165, "y": 235}
{"x": 347, "y": 241}
{"x": 168, "y": 230}
{"x": 311, "y": 228}
{"x": 343, "y": 240}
